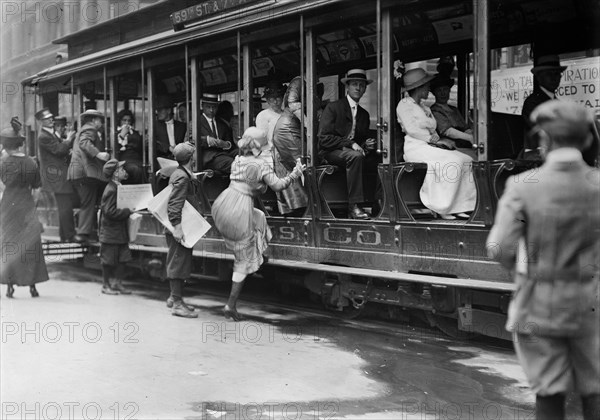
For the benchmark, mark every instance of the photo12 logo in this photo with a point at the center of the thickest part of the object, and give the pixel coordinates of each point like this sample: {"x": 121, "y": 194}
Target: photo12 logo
{"x": 52, "y": 410}
{"x": 54, "y": 332}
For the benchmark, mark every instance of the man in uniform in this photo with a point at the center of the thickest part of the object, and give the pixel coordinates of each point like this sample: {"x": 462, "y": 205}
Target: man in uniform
{"x": 547, "y": 73}
{"x": 344, "y": 139}
{"x": 54, "y": 164}
{"x": 85, "y": 171}
{"x": 554, "y": 213}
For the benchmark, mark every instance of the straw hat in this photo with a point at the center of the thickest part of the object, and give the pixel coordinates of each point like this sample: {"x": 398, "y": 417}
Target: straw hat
{"x": 356, "y": 74}
{"x": 416, "y": 77}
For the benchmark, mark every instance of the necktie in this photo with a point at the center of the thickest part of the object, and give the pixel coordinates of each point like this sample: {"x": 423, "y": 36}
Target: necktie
{"x": 351, "y": 137}
{"x": 213, "y": 128}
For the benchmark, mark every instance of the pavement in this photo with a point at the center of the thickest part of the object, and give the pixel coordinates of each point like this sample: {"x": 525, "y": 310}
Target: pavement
{"x": 76, "y": 353}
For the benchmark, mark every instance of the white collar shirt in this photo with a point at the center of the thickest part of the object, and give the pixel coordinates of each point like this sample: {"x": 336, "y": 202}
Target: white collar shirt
{"x": 212, "y": 124}
{"x": 551, "y": 95}
{"x": 171, "y": 131}
{"x": 354, "y": 108}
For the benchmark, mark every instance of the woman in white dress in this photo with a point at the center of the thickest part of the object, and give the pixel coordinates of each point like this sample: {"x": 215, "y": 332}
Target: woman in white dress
{"x": 449, "y": 187}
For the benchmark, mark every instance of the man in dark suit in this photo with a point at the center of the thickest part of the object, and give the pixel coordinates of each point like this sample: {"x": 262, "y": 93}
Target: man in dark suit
{"x": 555, "y": 311}
{"x": 85, "y": 171}
{"x": 547, "y": 73}
{"x": 217, "y": 147}
{"x": 54, "y": 164}
{"x": 343, "y": 139}
{"x": 167, "y": 132}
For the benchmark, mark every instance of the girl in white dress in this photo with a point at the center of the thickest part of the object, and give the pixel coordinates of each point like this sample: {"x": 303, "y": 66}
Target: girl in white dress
{"x": 449, "y": 187}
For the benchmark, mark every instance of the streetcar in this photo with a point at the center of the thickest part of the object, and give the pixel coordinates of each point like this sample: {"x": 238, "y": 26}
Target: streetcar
{"x": 402, "y": 258}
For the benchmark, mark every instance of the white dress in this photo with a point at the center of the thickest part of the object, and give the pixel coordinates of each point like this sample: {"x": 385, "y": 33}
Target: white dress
{"x": 266, "y": 120}
{"x": 449, "y": 186}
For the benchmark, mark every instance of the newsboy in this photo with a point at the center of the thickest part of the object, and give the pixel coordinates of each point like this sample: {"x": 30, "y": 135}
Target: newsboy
{"x": 554, "y": 312}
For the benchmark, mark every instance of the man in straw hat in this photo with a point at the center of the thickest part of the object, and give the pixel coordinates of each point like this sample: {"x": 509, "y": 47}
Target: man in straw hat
{"x": 216, "y": 138}
{"x": 179, "y": 258}
{"x": 85, "y": 171}
{"x": 54, "y": 165}
{"x": 555, "y": 311}
{"x": 547, "y": 73}
{"x": 344, "y": 139}
{"x": 169, "y": 132}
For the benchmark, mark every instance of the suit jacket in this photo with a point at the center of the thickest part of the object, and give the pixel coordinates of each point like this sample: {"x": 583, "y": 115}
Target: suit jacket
{"x": 336, "y": 124}
{"x": 54, "y": 162}
{"x": 556, "y": 209}
{"x": 225, "y": 133}
{"x": 536, "y": 98}
{"x": 161, "y": 137}
{"x": 184, "y": 188}
{"x": 113, "y": 225}
{"x": 86, "y": 146}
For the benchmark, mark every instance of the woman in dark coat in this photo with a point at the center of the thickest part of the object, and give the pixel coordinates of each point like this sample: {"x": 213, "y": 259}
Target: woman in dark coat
{"x": 130, "y": 145}
{"x": 22, "y": 262}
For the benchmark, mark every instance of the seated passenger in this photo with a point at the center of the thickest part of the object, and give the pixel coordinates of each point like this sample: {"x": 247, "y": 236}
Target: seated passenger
{"x": 169, "y": 132}
{"x": 343, "y": 139}
{"x": 130, "y": 147}
{"x": 287, "y": 142}
{"x": 454, "y": 131}
{"x": 448, "y": 187}
{"x": 216, "y": 138}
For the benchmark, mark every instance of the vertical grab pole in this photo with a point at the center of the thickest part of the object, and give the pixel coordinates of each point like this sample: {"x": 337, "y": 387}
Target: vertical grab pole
{"x": 302, "y": 98}
{"x": 104, "y": 98}
{"x": 150, "y": 87}
{"x": 143, "y": 129}
{"x": 379, "y": 117}
{"x": 24, "y": 120}
{"x": 239, "y": 86}
{"x": 113, "y": 113}
{"x": 481, "y": 66}
{"x": 187, "y": 94}
{"x": 311, "y": 85}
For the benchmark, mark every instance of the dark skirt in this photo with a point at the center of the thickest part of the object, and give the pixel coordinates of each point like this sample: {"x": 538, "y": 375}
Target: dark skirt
{"x": 22, "y": 259}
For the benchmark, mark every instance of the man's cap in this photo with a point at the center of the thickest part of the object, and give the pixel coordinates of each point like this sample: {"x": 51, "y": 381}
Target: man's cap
{"x": 43, "y": 113}
{"x": 356, "y": 74}
{"x": 183, "y": 151}
{"x": 547, "y": 62}
{"x": 210, "y": 98}
{"x": 94, "y": 113}
{"x": 111, "y": 166}
{"x": 563, "y": 118}
{"x": 416, "y": 77}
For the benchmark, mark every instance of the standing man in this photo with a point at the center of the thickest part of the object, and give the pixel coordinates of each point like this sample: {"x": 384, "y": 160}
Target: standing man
{"x": 54, "y": 165}
{"x": 555, "y": 311}
{"x": 85, "y": 171}
{"x": 179, "y": 258}
{"x": 343, "y": 139}
{"x": 547, "y": 73}
{"x": 169, "y": 132}
{"x": 216, "y": 138}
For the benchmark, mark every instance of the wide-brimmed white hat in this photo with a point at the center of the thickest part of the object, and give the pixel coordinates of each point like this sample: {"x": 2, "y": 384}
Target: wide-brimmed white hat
{"x": 356, "y": 74}
{"x": 416, "y": 77}
{"x": 92, "y": 113}
{"x": 547, "y": 62}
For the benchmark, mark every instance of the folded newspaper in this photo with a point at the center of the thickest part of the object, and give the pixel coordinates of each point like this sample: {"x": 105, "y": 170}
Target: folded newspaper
{"x": 194, "y": 226}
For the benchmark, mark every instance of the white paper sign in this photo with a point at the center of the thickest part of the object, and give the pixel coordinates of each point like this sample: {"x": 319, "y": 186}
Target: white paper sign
{"x": 134, "y": 196}
{"x": 194, "y": 226}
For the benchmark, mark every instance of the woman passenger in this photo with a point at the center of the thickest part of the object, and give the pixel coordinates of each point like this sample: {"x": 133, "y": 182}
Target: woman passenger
{"x": 267, "y": 118}
{"x": 451, "y": 126}
{"x": 129, "y": 145}
{"x": 243, "y": 227}
{"x": 23, "y": 260}
{"x": 448, "y": 188}
{"x": 287, "y": 142}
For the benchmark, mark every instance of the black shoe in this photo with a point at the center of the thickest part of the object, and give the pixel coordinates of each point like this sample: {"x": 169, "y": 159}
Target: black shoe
{"x": 10, "y": 291}
{"x": 232, "y": 314}
{"x": 355, "y": 212}
{"x": 180, "y": 309}
{"x": 82, "y": 239}
{"x": 33, "y": 291}
{"x": 171, "y": 302}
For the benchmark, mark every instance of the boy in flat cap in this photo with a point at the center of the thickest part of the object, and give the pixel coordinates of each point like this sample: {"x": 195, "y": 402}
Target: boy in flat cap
{"x": 114, "y": 235}
{"x": 555, "y": 311}
{"x": 179, "y": 258}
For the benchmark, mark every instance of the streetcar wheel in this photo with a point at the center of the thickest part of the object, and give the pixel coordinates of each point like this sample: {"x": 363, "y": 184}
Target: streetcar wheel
{"x": 448, "y": 326}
